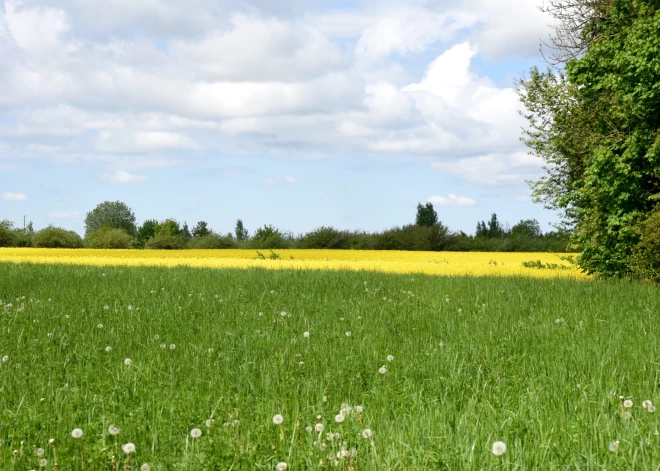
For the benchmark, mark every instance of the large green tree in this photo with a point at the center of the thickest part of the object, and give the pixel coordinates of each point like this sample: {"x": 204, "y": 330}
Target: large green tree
{"x": 594, "y": 117}
{"x": 426, "y": 215}
{"x": 111, "y": 213}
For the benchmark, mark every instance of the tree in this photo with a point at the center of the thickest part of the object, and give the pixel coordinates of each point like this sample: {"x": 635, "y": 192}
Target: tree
{"x": 146, "y": 231}
{"x": 240, "y": 231}
{"x": 52, "y": 237}
{"x": 201, "y": 229}
{"x": 527, "y": 228}
{"x": 426, "y": 215}
{"x": 108, "y": 237}
{"x": 185, "y": 232}
{"x": 595, "y": 123}
{"x": 7, "y": 234}
{"x": 116, "y": 214}
{"x": 169, "y": 227}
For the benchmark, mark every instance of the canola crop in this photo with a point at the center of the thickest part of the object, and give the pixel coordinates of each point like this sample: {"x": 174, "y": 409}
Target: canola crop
{"x": 543, "y": 265}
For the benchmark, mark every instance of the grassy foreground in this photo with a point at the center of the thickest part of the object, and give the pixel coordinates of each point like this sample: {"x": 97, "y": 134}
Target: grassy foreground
{"x": 537, "y": 364}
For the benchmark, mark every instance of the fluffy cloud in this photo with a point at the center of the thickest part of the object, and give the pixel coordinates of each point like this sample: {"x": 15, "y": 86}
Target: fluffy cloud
{"x": 14, "y": 197}
{"x": 493, "y": 169}
{"x": 281, "y": 181}
{"x": 452, "y": 200}
{"x": 121, "y": 176}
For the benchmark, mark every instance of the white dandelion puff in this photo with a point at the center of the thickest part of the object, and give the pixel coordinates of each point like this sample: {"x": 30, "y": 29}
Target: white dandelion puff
{"x": 128, "y": 362}
{"x": 499, "y": 448}
{"x": 145, "y": 467}
{"x": 156, "y": 337}
{"x": 646, "y": 404}
{"x": 282, "y": 466}
{"x": 283, "y": 313}
{"x": 348, "y": 334}
{"x": 278, "y": 419}
{"x": 382, "y": 370}
{"x": 367, "y": 433}
{"x": 112, "y": 430}
{"x": 195, "y": 433}
{"x": 106, "y": 307}
{"x": 614, "y": 446}
{"x": 5, "y": 359}
{"x": 339, "y": 418}
{"x": 627, "y": 403}
{"x": 108, "y": 348}
{"x": 172, "y": 347}
{"x": 650, "y": 408}
{"x": 390, "y": 358}
{"x": 39, "y": 452}
{"x": 77, "y": 433}
{"x": 358, "y": 409}
{"x": 319, "y": 428}
{"x": 43, "y": 462}
{"x": 128, "y": 448}
{"x": 100, "y": 326}
{"x": 209, "y": 423}
{"x": 306, "y": 335}
{"x": 309, "y": 429}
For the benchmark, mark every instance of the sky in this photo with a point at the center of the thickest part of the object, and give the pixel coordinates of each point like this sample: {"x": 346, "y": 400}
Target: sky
{"x": 295, "y": 113}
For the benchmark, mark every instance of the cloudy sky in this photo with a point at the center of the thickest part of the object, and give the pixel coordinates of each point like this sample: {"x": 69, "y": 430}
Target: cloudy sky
{"x": 297, "y": 113}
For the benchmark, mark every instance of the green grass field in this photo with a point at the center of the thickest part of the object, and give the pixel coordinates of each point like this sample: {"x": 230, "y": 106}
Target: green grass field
{"x": 537, "y": 364}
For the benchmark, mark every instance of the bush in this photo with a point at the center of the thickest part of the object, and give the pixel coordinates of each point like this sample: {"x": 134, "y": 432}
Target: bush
{"x": 162, "y": 241}
{"x": 645, "y": 258}
{"x": 212, "y": 241}
{"x": 7, "y": 234}
{"x": 269, "y": 237}
{"x": 413, "y": 237}
{"x": 324, "y": 238}
{"x": 109, "y": 238}
{"x": 53, "y": 237}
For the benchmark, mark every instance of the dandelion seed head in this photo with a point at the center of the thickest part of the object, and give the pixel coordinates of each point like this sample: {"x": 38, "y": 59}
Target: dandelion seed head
{"x": 43, "y": 462}
{"x": 156, "y": 337}
{"x": 339, "y": 418}
{"x": 209, "y": 423}
{"x": 348, "y": 334}
{"x": 319, "y": 428}
{"x": 627, "y": 403}
{"x": 499, "y": 448}
{"x": 195, "y": 433}
{"x": 172, "y": 347}
{"x": 367, "y": 433}
{"x": 128, "y": 362}
{"x": 390, "y": 358}
{"x": 5, "y": 359}
{"x": 145, "y": 467}
{"x": 77, "y": 433}
{"x": 646, "y": 403}
{"x": 39, "y": 452}
{"x": 283, "y": 314}
{"x": 282, "y": 466}
{"x": 278, "y": 419}
{"x": 100, "y": 326}
{"x": 306, "y": 335}
{"x": 614, "y": 446}
{"x": 112, "y": 430}
{"x": 309, "y": 429}
{"x": 382, "y": 370}
{"x": 128, "y": 448}
{"x": 106, "y": 307}
{"x": 358, "y": 409}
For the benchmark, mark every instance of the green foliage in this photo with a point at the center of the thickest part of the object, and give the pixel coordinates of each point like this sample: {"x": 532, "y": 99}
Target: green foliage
{"x": 108, "y": 237}
{"x": 201, "y": 229}
{"x": 7, "y": 234}
{"x": 185, "y": 232}
{"x": 596, "y": 125}
{"x": 426, "y": 215}
{"x": 145, "y": 232}
{"x": 115, "y": 214}
{"x": 52, "y": 237}
{"x": 413, "y": 237}
{"x": 645, "y": 257}
{"x": 325, "y": 238}
{"x": 527, "y": 228}
{"x": 165, "y": 241}
{"x": 211, "y": 241}
{"x": 269, "y": 237}
{"x": 240, "y": 231}
{"x": 169, "y": 227}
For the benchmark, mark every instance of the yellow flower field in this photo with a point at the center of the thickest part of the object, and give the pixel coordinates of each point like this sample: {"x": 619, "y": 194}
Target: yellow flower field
{"x": 431, "y": 263}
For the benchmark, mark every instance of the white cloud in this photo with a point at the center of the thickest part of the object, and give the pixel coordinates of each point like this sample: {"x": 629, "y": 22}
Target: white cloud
{"x": 452, "y": 200}
{"x": 143, "y": 142}
{"x": 122, "y": 176}
{"x": 14, "y": 197}
{"x": 64, "y": 215}
{"x": 409, "y": 30}
{"x": 493, "y": 169}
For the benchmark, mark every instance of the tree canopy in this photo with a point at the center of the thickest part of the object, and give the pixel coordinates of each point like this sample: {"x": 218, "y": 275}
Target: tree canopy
{"x": 111, "y": 213}
{"x": 594, "y": 117}
{"x": 426, "y": 215}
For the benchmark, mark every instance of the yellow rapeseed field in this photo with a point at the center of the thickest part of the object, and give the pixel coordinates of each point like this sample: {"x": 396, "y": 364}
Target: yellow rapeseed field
{"x": 431, "y": 263}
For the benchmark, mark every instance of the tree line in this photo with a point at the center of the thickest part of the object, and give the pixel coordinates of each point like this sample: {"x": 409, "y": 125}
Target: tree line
{"x": 112, "y": 225}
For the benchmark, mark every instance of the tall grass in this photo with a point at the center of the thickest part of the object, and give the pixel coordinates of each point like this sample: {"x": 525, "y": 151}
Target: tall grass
{"x": 538, "y": 364}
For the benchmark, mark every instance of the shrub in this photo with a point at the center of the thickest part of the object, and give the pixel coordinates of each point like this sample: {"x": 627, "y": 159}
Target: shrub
{"x": 324, "y": 238}
{"x": 55, "y": 237}
{"x": 645, "y": 258}
{"x": 7, "y": 234}
{"x": 161, "y": 241}
{"x": 413, "y": 237}
{"x": 109, "y": 238}
{"x": 212, "y": 241}
{"x": 269, "y": 237}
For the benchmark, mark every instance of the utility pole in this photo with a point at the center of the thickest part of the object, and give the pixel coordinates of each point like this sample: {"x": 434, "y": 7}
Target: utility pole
{"x": 23, "y": 223}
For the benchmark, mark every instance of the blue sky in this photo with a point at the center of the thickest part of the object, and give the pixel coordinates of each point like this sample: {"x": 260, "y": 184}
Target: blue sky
{"x": 292, "y": 113}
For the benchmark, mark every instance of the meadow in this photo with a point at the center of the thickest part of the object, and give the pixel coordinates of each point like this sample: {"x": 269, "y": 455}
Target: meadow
{"x": 189, "y": 368}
